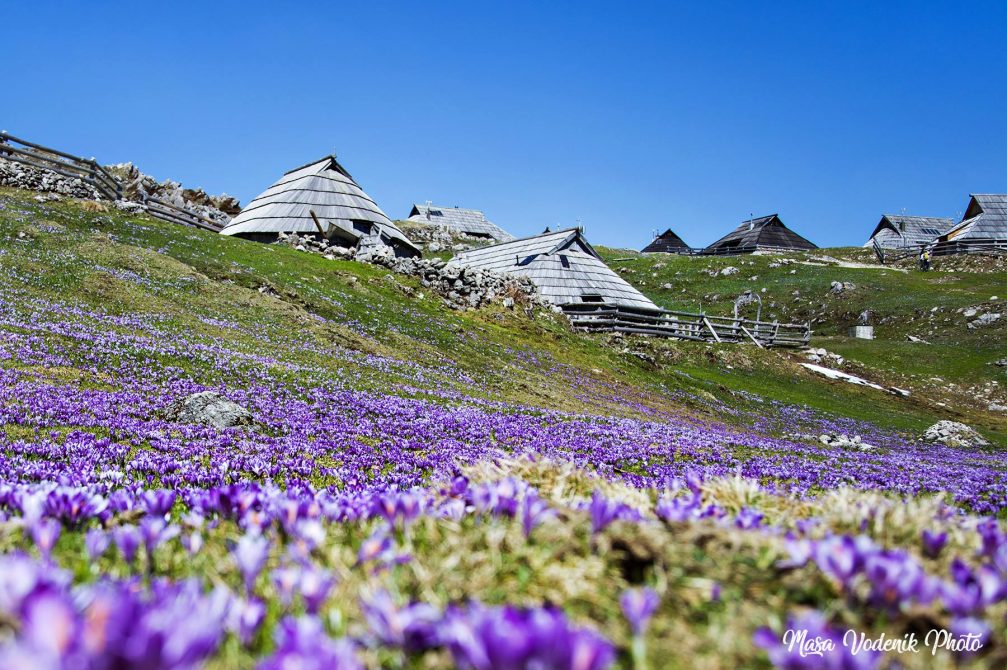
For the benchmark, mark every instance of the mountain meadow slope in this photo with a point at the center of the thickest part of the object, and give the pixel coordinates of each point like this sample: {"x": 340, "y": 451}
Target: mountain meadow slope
{"x": 422, "y": 487}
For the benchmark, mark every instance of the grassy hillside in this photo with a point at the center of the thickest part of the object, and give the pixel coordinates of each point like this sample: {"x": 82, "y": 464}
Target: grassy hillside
{"x": 947, "y": 375}
{"x": 417, "y": 478}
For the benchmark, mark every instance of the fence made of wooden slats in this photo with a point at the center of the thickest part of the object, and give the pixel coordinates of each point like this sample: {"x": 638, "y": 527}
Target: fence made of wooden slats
{"x": 686, "y": 325}
{"x": 89, "y": 171}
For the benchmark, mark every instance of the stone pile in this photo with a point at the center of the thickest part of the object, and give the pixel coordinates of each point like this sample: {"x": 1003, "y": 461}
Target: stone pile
{"x": 136, "y": 186}
{"x": 820, "y": 355}
{"x": 19, "y": 175}
{"x": 459, "y": 286}
{"x": 845, "y": 441}
{"x": 438, "y": 238}
{"x": 954, "y": 434}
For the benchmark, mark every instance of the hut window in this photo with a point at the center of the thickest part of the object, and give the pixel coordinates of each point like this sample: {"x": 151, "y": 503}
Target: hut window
{"x": 436, "y": 212}
{"x": 930, "y": 231}
{"x": 592, "y": 298}
{"x": 564, "y": 261}
{"x": 362, "y": 226}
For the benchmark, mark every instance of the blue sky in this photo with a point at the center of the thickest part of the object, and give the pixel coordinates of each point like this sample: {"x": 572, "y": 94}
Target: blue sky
{"x": 628, "y": 117}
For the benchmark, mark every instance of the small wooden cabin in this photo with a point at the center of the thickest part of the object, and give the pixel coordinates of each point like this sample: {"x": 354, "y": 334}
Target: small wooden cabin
{"x": 897, "y": 231}
{"x": 667, "y": 243}
{"x": 564, "y": 266}
{"x": 320, "y": 198}
{"x": 982, "y": 229}
{"x": 766, "y": 233}
{"x": 468, "y": 221}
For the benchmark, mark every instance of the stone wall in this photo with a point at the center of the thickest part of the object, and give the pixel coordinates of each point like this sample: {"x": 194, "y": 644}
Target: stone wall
{"x": 461, "y": 287}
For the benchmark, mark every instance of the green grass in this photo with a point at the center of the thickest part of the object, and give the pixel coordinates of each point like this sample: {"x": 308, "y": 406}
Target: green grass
{"x": 315, "y": 307}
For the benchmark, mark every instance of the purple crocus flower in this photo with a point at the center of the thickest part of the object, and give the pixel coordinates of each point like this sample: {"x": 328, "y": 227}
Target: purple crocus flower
{"x": 315, "y": 584}
{"x": 96, "y": 542}
{"x": 933, "y": 542}
{"x": 158, "y": 503}
{"x": 604, "y": 511}
{"x": 302, "y": 644}
{"x": 245, "y": 617}
{"x": 748, "y": 519}
{"x": 533, "y": 511}
{"x": 155, "y": 532}
{"x": 127, "y": 539}
{"x": 45, "y": 532}
{"x": 638, "y": 606}
{"x": 286, "y": 580}
{"x": 414, "y": 627}
{"x": 49, "y": 622}
{"x": 482, "y": 637}
{"x": 250, "y": 554}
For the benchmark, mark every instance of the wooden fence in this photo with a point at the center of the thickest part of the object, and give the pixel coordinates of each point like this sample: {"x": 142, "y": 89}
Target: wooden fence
{"x": 74, "y": 167}
{"x": 967, "y": 247}
{"x": 940, "y": 249}
{"x": 686, "y": 325}
{"x": 727, "y": 251}
{"x": 89, "y": 171}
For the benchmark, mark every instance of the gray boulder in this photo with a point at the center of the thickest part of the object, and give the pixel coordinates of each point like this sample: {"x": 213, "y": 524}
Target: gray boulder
{"x": 953, "y": 434}
{"x": 986, "y": 319}
{"x": 208, "y": 408}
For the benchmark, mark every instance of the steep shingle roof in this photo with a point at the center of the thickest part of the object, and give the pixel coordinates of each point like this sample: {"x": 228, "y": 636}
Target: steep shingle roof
{"x": 667, "y": 242}
{"x": 898, "y": 230}
{"x": 327, "y": 189}
{"x": 985, "y": 219}
{"x": 469, "y": 221}
{"x": 765, "y": 232}
{"x": 563, "y": 265}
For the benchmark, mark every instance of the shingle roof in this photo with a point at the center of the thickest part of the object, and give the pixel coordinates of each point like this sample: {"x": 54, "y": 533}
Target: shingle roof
{"x": 667, "y": 242}
{"x": 765, "y": 232}
{"x": 470, "y": 221}
{"x": 326, "y": 188}
{"x": 563, "y": 265}
{"x": 899, "y": 230}
{"x": 985, "y": 219}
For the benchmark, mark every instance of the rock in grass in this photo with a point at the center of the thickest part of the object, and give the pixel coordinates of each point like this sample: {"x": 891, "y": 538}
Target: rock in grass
{"x": 208, "y": 408}
{"x": 954, "y": 434}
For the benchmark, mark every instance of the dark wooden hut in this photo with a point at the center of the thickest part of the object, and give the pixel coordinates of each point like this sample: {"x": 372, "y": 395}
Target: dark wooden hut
{"x": 766, "y": 233}
{"x": 667, "y": 243}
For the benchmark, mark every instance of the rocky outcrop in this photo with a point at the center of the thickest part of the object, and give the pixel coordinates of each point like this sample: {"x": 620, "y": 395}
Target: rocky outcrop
{"x": 953, "y": 434}
{"x": 461, "y": 287}
{"x": 208, "y": 408}
{"x": 137, "y": 187}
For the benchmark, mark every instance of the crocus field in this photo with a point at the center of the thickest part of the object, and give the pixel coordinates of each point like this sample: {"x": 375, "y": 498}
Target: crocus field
{"x": 385, "y": 511}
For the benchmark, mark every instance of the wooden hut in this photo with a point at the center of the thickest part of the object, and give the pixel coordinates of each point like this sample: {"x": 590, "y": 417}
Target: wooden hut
{"x": 320, "y": 198}
{"x": 896, "y": 231}
{"x": 456, "y": 219}
{"x": 766, "y": 233}
{"x": 667, "y": 243}
{"x": 983, "y": 228}
{"x": 564, "y": 266}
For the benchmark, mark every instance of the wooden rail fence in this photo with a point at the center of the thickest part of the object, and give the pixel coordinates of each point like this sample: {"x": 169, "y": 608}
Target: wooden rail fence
{"x": 89, "y": 171}
{"x": 686, "y": 325}
{"x": 940, "y": 249}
